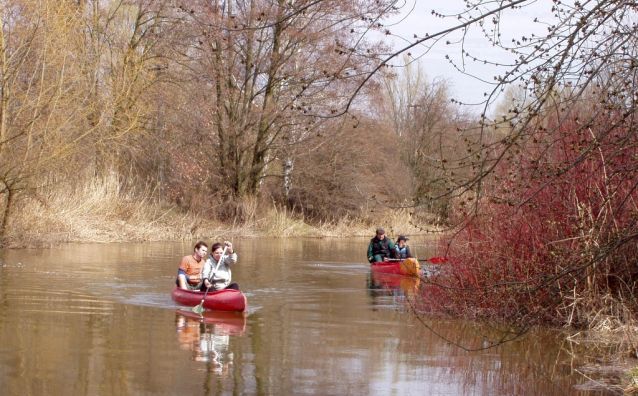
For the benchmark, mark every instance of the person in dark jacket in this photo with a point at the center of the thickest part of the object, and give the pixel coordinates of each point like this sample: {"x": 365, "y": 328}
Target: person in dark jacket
{"x": 401, "y": 249}
{"x": 381, "y": 247}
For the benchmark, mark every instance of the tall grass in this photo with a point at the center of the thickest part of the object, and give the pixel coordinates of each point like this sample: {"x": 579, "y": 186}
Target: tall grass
{"x": 97, "y": 211}
{"x": 102, "y": 210}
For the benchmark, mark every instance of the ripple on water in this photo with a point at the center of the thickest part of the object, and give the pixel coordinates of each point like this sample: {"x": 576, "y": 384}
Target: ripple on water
{"x": 57, "y": 301}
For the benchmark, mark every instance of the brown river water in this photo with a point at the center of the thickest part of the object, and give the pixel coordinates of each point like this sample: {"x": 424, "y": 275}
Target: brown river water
{"x": 97, "y": 319}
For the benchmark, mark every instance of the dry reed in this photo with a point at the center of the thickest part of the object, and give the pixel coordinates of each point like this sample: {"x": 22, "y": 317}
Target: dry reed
{"x": 103, "y": 211}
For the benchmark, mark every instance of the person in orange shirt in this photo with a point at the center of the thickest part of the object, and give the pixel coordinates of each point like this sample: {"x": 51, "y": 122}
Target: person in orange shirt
{"x": 189, "y": 274}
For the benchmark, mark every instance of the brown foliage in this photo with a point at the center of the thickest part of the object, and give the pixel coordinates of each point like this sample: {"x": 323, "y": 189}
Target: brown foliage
{"x": 262, "y": 72}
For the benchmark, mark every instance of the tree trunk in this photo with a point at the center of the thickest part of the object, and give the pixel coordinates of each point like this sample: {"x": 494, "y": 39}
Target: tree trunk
{"x": 7, "y": 212}
{"x": 287, "y": 184}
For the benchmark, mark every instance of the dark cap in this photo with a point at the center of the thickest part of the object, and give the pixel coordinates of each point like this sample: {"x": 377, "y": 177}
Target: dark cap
{"x": 380, "y": 231}
{"x": 402, "y": 238}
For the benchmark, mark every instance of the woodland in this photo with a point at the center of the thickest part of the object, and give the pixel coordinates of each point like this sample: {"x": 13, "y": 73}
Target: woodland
{"x": 165, "y": 119}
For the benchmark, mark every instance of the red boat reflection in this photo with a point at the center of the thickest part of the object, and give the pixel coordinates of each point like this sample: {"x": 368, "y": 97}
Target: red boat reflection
{"x": 224, "y": 322}
{"x": 208, "y": 336}
{"x": 391, "y": 284}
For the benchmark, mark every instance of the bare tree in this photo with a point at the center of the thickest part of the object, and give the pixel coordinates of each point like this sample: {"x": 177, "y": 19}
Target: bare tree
{"x": 129, "y": 58}
{"x": 263, "y": 68}
{"x": 427, "y": 124}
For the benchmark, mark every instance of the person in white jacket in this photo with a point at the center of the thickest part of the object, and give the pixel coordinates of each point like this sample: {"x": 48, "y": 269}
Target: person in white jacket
{"x": 218, "y": 278}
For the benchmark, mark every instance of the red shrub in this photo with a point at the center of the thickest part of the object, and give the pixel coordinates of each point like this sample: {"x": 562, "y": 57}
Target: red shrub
{"x": 552, "y": 232}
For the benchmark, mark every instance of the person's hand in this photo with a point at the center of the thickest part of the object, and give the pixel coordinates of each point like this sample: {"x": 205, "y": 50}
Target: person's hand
{"x": 207, "y": 283}
{"x": 229, "y": 246}
{"x": 385, "y": 259}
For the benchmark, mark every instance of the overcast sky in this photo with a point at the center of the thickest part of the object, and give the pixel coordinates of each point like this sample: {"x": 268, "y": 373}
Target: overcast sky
{"x": 416, "y": 18}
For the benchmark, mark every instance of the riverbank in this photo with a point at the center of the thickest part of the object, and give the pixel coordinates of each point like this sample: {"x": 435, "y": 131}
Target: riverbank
{"x": 612, "y": 358}
{"x": 100, "y": 213}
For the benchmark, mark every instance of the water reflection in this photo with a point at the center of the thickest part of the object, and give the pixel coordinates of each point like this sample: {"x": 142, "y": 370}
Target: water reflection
{"x": 101, "y": 322}
{"x": 390, "y": 289}
{"x": 380, "y": 284}
{"x": 208, "y": 336}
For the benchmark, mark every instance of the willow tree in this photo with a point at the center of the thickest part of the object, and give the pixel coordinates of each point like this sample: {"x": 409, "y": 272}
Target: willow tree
{"x": 40, "y": 100}
{"x": 263, "y": 69}
{"x": 75, "y": 79}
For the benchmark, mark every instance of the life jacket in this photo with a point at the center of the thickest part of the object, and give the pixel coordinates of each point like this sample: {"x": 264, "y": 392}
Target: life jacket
{"x": 381, "y": 247}
{"x": 402, "y": 253}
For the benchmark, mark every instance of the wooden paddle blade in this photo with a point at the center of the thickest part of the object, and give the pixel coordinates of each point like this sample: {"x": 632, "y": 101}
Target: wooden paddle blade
{"x": 199, "y": 309}
{"x": 410, "y": 266}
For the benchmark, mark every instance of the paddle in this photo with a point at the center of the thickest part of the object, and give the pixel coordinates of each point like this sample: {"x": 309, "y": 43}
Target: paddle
{"x": 200, "y": 307}
{"x": 433, "y": 260}
{"x": 436, "y": 260}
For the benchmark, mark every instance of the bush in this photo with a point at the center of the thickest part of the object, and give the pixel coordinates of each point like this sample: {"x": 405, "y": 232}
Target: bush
{"x": 552, "y": 233}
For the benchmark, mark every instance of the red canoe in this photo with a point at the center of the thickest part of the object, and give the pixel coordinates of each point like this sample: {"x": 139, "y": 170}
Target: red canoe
{"x": 222, "y": 300}
{"x": 408, "y": 266}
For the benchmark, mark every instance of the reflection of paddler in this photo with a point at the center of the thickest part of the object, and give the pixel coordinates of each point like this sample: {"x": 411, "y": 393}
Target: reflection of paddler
{"x": 187, "y": 333}
{"x": 208, "y": 336}
{"x": 213, "y": 348}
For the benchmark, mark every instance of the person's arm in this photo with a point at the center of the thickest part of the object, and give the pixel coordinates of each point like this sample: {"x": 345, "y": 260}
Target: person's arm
{"x": 407, "y": 252}
{"x": 207, "y": 271}
{"x": 183, "y": 267}
{"x": 370, "y": 252}
{"x": 231, "y": 259}
{"x": 189, "y": 277}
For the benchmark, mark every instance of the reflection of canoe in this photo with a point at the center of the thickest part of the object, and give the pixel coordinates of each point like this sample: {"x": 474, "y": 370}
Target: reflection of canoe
{"x": 225, "y": 322}
{"x": 393, "y": 281}
{"x": 409, "y": 266}
{"x": 222, "y": 300}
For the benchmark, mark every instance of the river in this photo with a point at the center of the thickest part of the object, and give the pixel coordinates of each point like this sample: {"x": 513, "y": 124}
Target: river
{"x": 97, "y": 319}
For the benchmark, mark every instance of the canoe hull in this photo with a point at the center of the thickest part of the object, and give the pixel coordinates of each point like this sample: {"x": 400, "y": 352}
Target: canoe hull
{"x": 409, "y": 266}
{"x": 222, "y": 300}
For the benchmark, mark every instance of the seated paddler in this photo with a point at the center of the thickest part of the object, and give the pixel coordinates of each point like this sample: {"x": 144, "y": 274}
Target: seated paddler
{"x": 401, "y": 249}
{"x": 381, "y": 247}
{"x": 189, "y": 274}
{"x": 216, "y": 273}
